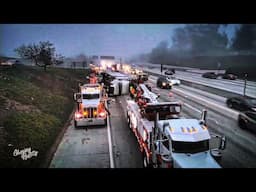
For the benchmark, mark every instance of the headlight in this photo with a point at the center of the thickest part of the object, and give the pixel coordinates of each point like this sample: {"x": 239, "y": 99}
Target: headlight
{"x": 163, "y": 83}
{"x": 170, "y": 84}
{"x": 254, "y": 109}
{"x": 78, "y": 115}
{"x": 102, "y": 114}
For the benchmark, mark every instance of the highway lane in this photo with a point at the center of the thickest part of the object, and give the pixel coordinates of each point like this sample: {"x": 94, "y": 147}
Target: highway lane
{"x": 196, "y": 72}
{"x": 236, "y": 86}
{"x": 89, "y": 148}
{"x": 82, "y": 148}
{"x": 241, "y": 144}
{"x": 125, "y": 147}
{"x": 98, "y": 146}
{"x": 215, "y": 98}
{"x": 218, "y": 81}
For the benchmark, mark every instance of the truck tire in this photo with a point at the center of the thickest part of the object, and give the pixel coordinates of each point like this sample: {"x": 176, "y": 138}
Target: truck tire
{"x": 146, "y": 164}
{"x": 229, "y": 104}
{"x": 75, "y": 124}
{"x": 242, "y": 124}
{"x": 128, "y": 119}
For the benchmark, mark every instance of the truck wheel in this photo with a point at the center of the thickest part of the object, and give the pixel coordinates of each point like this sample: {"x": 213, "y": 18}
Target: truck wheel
{"x": 75, "y": 124}
{"x": 146, "y": 164}
{"x": 128, "y": 121}
{"x": 242, "y": 124}
{"x": 229, "y": 104}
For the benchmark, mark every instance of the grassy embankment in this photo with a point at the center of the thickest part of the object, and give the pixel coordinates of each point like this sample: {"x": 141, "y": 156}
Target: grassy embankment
{"x": 34, "y": 106}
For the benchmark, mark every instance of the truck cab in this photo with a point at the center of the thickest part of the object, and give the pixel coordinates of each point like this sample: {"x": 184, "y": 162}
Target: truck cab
{"x": 168, "y": 140}
{"x": 184, "y": 143}
{"x": 91, "y": 108}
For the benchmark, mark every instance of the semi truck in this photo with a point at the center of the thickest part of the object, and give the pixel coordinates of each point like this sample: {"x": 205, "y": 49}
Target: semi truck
{"x": 91, "y": 106}
{"x": 167, "y": 140}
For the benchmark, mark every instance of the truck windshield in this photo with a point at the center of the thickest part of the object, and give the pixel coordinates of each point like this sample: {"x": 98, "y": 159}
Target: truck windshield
{"x": 190, "y": 147}
{"x": 91, "y": 96}
{"x": 165, "y": 112}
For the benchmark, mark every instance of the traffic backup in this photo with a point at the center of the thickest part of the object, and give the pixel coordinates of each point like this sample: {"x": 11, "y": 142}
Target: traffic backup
{"x": 166, "y": 140}
{"x": 91, "y": 108}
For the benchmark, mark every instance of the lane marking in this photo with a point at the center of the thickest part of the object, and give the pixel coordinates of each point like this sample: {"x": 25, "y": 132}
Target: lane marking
{"x": 190, "y": 106}
{"x": 208, "y": 104}
{"x": 110, "y": 144}
{"x": 214, "y": 84}
{"x": 213, "y": 106}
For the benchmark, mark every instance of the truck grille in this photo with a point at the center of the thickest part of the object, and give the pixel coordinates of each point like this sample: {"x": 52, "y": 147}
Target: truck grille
{"x": 90, "y": 112}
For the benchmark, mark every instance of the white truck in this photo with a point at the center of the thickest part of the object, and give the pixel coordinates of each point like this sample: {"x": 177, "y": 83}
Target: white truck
{"x": 91, "y": 108}
{"x": 116, "y": 83}
{"x": 166, "y": 140}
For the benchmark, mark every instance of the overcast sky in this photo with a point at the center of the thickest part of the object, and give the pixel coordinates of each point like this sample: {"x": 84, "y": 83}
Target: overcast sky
{"x": 120, "y": 40}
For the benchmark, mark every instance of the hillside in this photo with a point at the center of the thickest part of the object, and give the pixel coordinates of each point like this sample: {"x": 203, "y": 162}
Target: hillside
{"x": 34, "y": 106}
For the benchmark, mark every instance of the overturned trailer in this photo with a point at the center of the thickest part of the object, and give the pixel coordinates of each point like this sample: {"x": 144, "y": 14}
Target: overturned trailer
{"x": 115, "y": 83}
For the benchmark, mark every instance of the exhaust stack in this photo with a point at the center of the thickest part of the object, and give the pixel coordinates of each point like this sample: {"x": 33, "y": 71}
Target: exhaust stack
{"x": 204, "y": 115}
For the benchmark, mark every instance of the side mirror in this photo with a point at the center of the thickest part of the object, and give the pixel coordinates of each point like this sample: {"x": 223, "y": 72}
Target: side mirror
{"x": 166, "y": 124}
{"x": 78, "y": 97}
{"x": 222, "y": 143}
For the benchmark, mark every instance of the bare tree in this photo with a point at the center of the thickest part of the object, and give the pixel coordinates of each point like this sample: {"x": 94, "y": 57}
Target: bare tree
{"x": 42, "y": 54}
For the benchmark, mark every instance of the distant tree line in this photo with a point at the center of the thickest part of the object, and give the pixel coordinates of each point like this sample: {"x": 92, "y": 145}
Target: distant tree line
{"x": 204, "y": 46}
{"x": 202, "y": 40}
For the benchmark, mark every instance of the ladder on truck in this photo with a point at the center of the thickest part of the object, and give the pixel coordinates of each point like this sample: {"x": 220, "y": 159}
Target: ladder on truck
{"x": 148, "y": 94}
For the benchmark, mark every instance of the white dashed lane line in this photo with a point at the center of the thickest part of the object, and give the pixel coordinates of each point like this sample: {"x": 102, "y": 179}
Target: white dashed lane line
{"x": 191, "y": 107}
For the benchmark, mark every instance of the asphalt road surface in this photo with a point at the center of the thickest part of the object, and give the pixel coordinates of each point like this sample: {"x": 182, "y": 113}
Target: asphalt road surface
{"x": 82, "y": 148}
{"x": 126, "y": 148}
{"x": 241, "y": 144}
{"x": 89, "y": 147}
{"x": 235, "y": 86}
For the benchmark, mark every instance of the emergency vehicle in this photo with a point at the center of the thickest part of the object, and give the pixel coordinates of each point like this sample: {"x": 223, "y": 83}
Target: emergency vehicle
{"x": 91, "y": 108}
{"x": 167, "y": 140}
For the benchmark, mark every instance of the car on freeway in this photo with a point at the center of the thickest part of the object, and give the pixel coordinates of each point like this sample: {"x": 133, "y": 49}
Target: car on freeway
{"x": 10, "y": 62}
{"x": 143, "y": 76}
{"x": 169, "y": 72}
{"x": 247, "y": 120}
{"x": 163, "y": 83}
{"x": 173, "y": 80}
{"x": 210, "y": 75}
{"x": 242, "y": 103}
{"x": 229, "y": 76}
